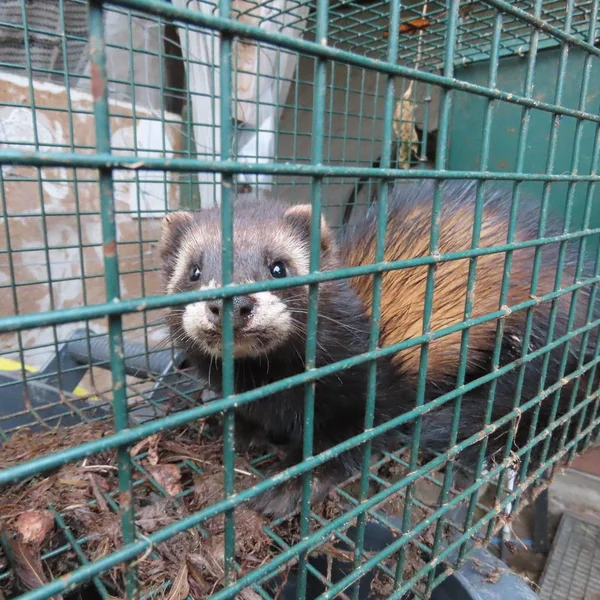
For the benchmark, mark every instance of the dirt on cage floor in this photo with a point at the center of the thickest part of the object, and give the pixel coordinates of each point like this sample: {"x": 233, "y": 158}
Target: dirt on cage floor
{"x": 175, "y": 474}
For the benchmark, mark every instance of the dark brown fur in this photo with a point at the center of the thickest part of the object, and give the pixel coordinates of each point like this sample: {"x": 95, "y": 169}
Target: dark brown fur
{"x": 343, "y": 329}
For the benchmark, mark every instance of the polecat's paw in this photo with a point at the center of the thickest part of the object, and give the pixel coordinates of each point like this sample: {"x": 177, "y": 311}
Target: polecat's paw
{"x": 248, "y": 438}
{"x": 280, "y": 501}
{"x": 286, "y": 498}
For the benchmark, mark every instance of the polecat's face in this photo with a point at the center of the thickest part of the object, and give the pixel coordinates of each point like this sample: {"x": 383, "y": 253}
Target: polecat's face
{"x": 270, "y": 242}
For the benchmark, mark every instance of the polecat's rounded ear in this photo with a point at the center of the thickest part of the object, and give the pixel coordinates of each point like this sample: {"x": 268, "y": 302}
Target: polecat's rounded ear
{"x": 173, "y": 226}
{"x": 299, "y": 217}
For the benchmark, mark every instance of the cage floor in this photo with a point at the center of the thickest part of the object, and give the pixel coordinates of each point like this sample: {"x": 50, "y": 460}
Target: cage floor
{"x": 573, "y": 568}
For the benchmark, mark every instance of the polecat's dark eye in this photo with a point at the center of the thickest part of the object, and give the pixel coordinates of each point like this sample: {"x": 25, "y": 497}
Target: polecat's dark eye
{"x": 278, "y": 269}
{"x": 195, "y": 273}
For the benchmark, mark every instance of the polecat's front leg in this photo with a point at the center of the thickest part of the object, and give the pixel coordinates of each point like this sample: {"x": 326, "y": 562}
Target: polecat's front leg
{"x": 283, "y": 499}
{"x": 248, "y": 436}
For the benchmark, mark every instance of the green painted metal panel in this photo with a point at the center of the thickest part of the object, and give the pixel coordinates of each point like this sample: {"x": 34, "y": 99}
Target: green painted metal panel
{"x": 466, "y": 132}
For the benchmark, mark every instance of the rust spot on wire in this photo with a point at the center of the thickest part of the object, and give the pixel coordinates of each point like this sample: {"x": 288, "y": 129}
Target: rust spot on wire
{"x": 125, "y": 500}
{"x": 98, "y": 83}
{"x": 110, "y": 249}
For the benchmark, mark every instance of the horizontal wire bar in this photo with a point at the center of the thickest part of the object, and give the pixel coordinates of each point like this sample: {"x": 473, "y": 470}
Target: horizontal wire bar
{"x": 320, "y": 49}
{"x": 193, "y": 165}
{"x": 542, "y": 25}
{"x": 96, "y": 311}
{"x": 129, "y": 552}
{"x": 128, "y": 436}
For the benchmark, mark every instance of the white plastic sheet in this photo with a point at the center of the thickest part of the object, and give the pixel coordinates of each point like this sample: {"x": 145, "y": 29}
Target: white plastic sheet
{"x": 261, "y": 81}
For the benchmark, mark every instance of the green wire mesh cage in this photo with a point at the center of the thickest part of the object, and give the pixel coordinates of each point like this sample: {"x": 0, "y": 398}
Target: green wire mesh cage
{"x": 118, "y": 468}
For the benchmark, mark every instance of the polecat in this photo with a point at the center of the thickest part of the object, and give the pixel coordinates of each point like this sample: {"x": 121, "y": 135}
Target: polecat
{"x": 271, "y": 240}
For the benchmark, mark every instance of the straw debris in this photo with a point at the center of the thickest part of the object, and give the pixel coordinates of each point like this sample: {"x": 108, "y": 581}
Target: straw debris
{"x": 175, "y": 474}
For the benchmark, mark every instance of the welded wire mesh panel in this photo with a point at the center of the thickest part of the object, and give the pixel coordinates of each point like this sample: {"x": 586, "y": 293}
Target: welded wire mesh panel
{"x": 120, "y": 463}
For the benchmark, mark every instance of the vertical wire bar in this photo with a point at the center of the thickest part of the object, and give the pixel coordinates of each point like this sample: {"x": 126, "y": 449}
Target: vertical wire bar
{"x": 558, "y": 276}
{"x": 470, "y": 296}
{"x": 344, "y": 158}
{"x": 485, "y": 154}
{"x": 359, "y": 135}
{"x": 84, "y": 294}
{"x": 592, "y": 298}
{"x": 591, "y": 437}
{"x": 255, "y": 182}
{"x": 295, "y": 122}
{"x": 162, "y": 58}
{"x": 533, "y": 286}
{"x": 372, "y": 139}
{"x": 441, "y": 159}
{"x": 553, "y": 141}
{"x": 276, "y": 121}
{"x": 346, "y": 216}
{"x": 15, "y": 298}
{"x": 40, "y": 187}
{"x": 137, "y": 181}
{"x": 225, "y": 76}
{"x": 521, "y": 153}
{"x": 395, "y": 8}
{"x": 111, "y": 268}
{"x": 76, "y": 547}
{"x": 331, "y": 112}
{"x": 424, "y": 140}
{"x": 586, "y": 70}
{"x": 579, "y": 266}
{"x": 316, "y": 193}
{"x": 590, "y": 309}
{"x": 191, "y": 142}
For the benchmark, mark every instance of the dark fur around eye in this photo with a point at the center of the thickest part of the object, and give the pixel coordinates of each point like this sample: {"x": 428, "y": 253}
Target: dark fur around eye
{"x": 278, "y": 269}
{"x": 195, "y": 273}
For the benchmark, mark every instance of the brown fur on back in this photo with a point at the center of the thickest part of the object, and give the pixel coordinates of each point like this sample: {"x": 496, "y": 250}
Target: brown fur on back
{"x": 404, "y": 290}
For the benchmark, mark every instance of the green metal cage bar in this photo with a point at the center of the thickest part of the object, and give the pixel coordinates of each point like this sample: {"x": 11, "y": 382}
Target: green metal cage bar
{"x": 395, "y": 15}
{"x": 109, "y": 239}
{"x": 458, "y": 40}
{"x": 85, "y": 573}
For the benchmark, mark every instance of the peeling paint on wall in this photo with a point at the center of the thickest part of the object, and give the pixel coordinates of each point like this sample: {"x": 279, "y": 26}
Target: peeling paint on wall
{"x": 51, "y": 234}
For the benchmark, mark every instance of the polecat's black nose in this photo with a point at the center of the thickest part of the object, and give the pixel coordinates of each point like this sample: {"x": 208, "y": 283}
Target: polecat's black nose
{"x": 242, "y": 310}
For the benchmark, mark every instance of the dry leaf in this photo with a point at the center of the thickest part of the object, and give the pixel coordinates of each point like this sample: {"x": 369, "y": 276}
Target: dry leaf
{"x": 103, "y": 483}
{"x": 34, "y": 526}
{"x": 28, "y": 564}
{"x": 195, "y": 573}
{"x": 76, "y": 483}
{"x": 413, "y": 26}
{"x": 152, "y": 443}
{"x": 153, "y": 517}
{"x": 404, "y": 129}
{"x": 180, "y": 588}
{"x": 167, "y": 476}
{"x": 139, "y": 446}
{"x": 97, "y": 491}
{"x": 208, "y": 489}
{"x": 38, "y": 490}
{"x": 153, "y": 450}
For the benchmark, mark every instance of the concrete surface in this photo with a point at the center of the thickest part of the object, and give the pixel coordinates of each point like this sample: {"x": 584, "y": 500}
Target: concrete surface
{"x": 576, "y": 492}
